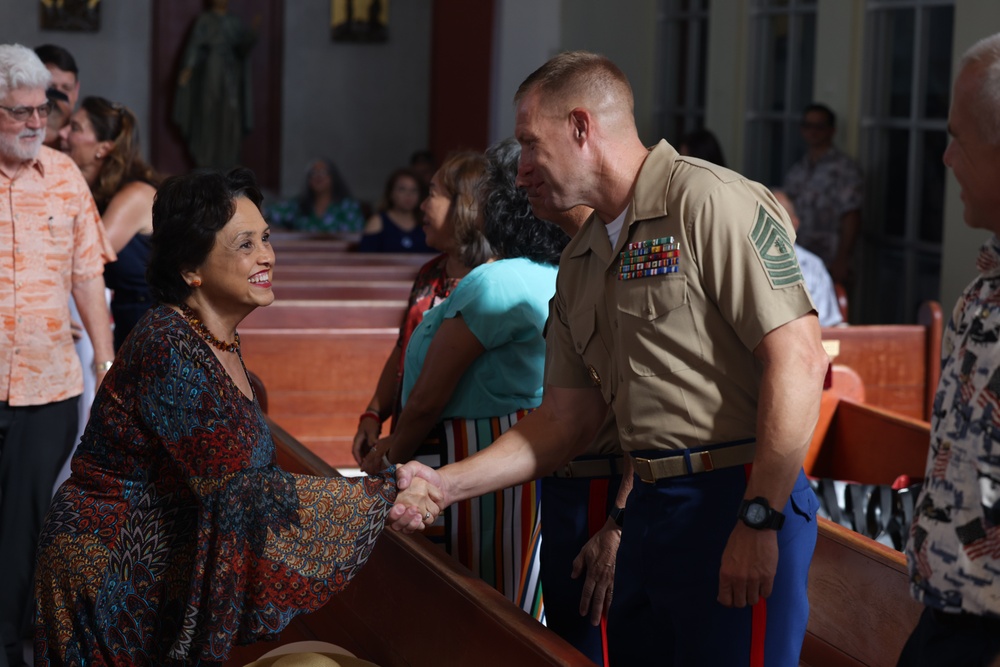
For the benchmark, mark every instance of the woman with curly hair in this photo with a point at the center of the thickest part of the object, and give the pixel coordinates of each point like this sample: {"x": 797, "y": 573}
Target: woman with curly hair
{"x": 474, "y": 367}
{"x": 102, "y": 137}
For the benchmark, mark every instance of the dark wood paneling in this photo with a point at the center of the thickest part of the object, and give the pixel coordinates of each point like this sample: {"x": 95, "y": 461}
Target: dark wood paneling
{"x": 461, "y": 71}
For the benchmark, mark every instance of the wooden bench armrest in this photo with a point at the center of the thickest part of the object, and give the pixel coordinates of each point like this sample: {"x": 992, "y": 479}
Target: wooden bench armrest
{"x": 862, "y": 443}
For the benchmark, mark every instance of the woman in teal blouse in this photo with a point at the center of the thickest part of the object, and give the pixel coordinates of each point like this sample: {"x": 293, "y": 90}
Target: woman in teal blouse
{"x": 474, "y": 367}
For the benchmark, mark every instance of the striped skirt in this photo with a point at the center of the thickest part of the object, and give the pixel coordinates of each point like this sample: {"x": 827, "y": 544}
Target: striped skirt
{"x": 497, "y": 535}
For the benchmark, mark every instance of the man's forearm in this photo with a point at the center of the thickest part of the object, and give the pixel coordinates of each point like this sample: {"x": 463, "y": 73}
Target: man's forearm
{"x": 533, "y": 447}
{"x": 93, "y": 309}
{"x": 788, "y": 408}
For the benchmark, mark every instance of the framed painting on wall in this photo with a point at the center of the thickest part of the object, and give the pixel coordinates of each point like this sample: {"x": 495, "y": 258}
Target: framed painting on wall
{"x": 75, "y": 15}
{"x": 359, "y": 20}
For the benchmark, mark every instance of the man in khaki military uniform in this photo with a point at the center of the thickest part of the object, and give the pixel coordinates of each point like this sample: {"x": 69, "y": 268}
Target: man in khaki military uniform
{"x": 681, "y": 305}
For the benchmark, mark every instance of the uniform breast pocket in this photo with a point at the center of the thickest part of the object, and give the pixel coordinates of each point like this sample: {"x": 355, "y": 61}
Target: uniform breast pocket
{"x": 658, "y": 331}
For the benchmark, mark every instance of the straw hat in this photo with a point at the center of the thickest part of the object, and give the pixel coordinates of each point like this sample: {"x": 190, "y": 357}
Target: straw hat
{"x": 310, "y": 654}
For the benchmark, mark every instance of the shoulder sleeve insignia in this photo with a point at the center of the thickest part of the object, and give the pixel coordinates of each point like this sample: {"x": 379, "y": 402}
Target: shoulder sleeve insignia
{"x": 775, "y": 250}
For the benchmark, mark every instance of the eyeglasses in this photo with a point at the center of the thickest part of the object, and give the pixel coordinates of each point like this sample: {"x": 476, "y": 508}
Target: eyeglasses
{"x": 21, "y": 114}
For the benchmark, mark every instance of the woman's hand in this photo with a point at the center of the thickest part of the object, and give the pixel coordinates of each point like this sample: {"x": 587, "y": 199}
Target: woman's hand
{"x": 366, "y": 438}
{"x": 416, "y": 507}
{"x": 376, "y": 459}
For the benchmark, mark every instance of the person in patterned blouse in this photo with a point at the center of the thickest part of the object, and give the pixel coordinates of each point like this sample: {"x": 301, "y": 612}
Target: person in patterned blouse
{"x": 176, "y": 536}
{"x": 827, "y": 189}
{"x": 954, "y": 547}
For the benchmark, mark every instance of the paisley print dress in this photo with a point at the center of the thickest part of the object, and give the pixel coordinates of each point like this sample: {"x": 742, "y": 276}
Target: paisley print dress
{"x": 176, "y": 536}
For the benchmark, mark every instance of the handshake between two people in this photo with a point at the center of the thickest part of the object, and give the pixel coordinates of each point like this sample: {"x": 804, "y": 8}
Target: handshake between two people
{"x": 423, "y": 495}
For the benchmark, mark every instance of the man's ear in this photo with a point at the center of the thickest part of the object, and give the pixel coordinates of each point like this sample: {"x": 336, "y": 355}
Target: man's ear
{"x": 579, "y": 119}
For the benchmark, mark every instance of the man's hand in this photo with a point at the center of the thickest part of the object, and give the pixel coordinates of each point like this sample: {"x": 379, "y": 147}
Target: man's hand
{"x": 597, "y": 559}
{"x": 749, "y": 563}
{"x": 418, "y": 502}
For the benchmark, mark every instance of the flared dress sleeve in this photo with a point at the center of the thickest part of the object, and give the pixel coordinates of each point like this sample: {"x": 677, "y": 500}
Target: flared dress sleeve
{"x": 269, "y": 545}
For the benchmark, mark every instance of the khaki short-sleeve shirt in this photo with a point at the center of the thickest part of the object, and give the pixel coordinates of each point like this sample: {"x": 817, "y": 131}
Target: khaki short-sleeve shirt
{"x": 665, "y": 323}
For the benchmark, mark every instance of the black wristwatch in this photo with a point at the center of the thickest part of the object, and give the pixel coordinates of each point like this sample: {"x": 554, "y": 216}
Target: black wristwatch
{"x": 759, "y": 515}
{"x": 617, "y": 514}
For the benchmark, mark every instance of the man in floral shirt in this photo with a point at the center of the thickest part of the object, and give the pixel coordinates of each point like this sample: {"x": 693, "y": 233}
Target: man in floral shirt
{"x": 827, "y": 189}
{"x": 954, "y": 546}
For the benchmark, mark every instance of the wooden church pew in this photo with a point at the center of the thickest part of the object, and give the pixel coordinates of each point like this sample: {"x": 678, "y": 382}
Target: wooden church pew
{"x": 861, "y": 611}
{"x": 898, "y": 363}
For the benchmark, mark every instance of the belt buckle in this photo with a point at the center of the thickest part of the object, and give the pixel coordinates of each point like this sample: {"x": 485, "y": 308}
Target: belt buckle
{"x": 643, "y": 469}
{"x": 706, "y": 461}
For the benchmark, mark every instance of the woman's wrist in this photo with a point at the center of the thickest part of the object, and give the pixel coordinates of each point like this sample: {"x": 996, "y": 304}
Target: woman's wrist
{"x": 371, "y": 414}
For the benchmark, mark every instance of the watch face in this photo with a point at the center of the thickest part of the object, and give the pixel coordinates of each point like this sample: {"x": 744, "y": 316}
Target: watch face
{"x": 756, "y": 514}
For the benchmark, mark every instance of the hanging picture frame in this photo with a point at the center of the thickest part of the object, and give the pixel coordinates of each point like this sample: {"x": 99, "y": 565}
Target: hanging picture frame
{"x": 359, "y": 20}
{"x": 70, "y": 15}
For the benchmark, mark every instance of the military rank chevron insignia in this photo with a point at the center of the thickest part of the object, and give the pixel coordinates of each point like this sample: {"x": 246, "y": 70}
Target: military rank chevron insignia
{"x": 775, "y": 249}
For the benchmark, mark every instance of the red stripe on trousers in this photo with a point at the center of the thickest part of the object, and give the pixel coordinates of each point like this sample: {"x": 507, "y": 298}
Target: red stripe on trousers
{"x": 597, "y": 516}
{"x": 758, "y": 618}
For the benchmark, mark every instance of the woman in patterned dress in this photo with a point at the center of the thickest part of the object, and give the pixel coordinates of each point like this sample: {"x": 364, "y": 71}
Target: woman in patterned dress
{"x": 474, "y": 367}
{"x": 176, "y": 536}
{"x": 450, "y": 224}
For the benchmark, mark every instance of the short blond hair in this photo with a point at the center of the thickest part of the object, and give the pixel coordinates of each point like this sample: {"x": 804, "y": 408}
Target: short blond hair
{"x": 575, "y": 74}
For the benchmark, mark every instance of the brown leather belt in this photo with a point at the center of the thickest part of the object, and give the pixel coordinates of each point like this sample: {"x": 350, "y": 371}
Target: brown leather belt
{"x": 607, "y": 466}
{"x": 651, "y": 470}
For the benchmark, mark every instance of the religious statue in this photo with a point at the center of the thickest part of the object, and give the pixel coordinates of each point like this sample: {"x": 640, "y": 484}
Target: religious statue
{"x": 213, "y": 103}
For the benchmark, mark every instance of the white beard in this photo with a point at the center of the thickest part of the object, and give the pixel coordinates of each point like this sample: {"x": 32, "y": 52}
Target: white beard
{"x": 16, "y": 148}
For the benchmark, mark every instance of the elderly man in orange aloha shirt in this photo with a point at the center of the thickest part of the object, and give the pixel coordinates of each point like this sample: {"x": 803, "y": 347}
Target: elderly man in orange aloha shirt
{"x": 53, "y": 245}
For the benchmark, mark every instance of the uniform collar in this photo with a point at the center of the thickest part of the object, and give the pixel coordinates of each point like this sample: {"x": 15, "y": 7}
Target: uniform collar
{"x": 649, "y": 200}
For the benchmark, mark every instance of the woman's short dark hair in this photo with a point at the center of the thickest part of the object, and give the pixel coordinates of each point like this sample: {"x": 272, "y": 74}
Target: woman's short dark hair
{"x": 509, "y": 223}
{"x": 188, "y": 212}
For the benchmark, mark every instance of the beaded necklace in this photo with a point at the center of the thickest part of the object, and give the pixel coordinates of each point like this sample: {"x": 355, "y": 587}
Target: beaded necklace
{"x": 193, "y": 320}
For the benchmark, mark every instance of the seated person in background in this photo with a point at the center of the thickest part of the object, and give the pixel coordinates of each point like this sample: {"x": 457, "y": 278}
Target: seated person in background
{"x": 814, "y": 272}
{"x": 396, "y": 227}
{"x": 449, "y": 216}
{"x": 702, "y": 144}
{"x": 103, "y": 139}
{"x": 325, "y": 204}
{"x": 473, "y": 368}
{"x": 177, "y": 536}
